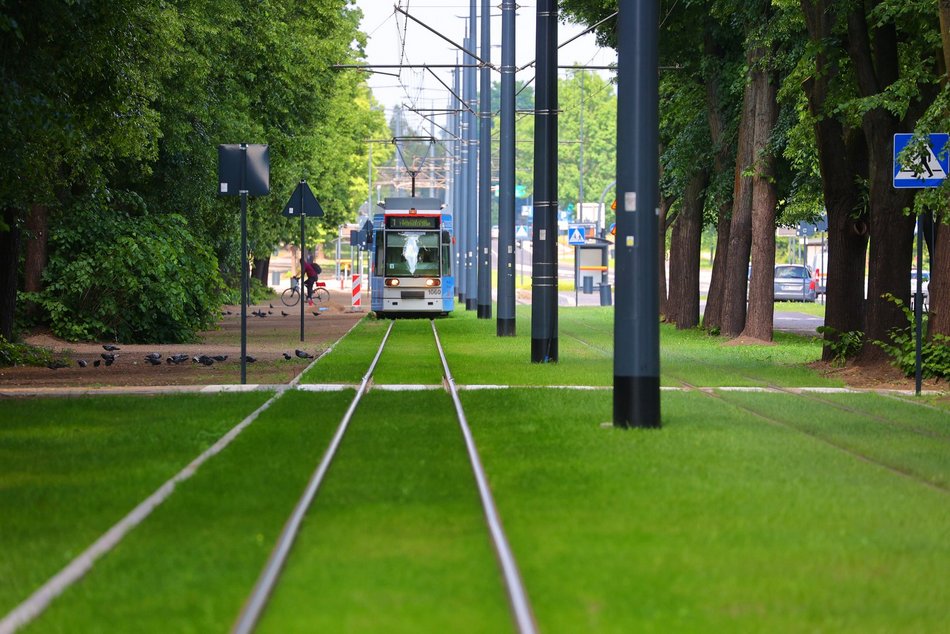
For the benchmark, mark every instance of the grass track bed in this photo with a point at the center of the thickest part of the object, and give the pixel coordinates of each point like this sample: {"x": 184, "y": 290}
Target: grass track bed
{"x": 410, "y": 355}
{"x": 923, "y": 457}
{"x": 71, "y": 468}
{"x": 719, "y": 522}
{"x": 349, "y": 359}
{"x": 395, "y": 540}
{"x": 190, "y": 566}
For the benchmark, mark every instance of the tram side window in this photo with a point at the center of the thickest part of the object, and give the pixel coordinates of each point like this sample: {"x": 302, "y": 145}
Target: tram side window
{"x": 380, "y": 254}
{"x": 412, "y": 253}
{"x": 446, "y": 254}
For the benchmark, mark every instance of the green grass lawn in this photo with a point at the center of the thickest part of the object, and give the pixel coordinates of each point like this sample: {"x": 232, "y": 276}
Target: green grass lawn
{"x": 809, "y": 308}
{"x": 190, "y": 566}
{"x": 71, "y": 468}
{"x": 834, "y": 515}
{"x": 719, "y": 522}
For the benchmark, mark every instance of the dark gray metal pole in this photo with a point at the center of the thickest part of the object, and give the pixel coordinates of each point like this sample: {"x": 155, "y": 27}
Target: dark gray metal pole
{"x": 636, "y": 398}
{"x": 544, "y": 344}
{"x": 919, "y": 307}
{"x": 244, "y": 275}
{"x": 461, "y": 216}
{"x": 303, "y": 251}
{"x": 471, "y": 225}
{"x": 457, "y": 189}
{"x": 484, "y": 172}
{"x": 505, "y": 322}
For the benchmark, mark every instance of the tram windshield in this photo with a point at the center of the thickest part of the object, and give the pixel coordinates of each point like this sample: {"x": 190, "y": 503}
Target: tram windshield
{"x": 412, "y": 253}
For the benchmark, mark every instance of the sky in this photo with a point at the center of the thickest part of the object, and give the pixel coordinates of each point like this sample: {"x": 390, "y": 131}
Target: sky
{"x": 387, "y": 45}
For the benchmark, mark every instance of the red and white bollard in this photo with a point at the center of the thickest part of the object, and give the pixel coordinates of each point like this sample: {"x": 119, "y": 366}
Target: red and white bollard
{"x": 357, "y": 294}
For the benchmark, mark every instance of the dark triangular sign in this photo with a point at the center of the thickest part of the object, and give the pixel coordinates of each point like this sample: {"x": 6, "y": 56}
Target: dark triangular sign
{"x": 303, "y": 202}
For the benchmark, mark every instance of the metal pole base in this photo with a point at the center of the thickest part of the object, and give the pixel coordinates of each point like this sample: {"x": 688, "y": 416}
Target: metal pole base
{"x": 506, "y": 327}
{"x": 637, "y": 401}
{"x": 544, "y": 350}
{"x": 471, "y": 304}
{"x": 484, "y": 311}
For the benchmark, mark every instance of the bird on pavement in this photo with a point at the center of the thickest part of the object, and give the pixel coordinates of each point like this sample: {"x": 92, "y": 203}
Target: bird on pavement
{"x": 109, "y": 362}
{"x": 284, "y": 313}
{"x": 108, "y": 356}
{"x": 154, "y": 355}
{"x": 303, "y": 355}
{"x": 250, "y": 359}
{"x": 110, "y": 348}
{"x": 315, "y": 314}
{"x": 220, "y": 357}
{"x": 287, "y": 356}
{"x": 271, "y": 305}
{"x": 82, "y": 363}
{"x": 97, "y": 363}
{"x": 153, "y": 361}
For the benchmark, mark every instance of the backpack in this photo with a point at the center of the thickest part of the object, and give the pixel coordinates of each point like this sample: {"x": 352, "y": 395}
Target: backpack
{"x": 317, "y": 268}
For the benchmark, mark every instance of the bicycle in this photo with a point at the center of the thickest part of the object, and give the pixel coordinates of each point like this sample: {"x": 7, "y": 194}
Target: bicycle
{"x": 292, "y": 295}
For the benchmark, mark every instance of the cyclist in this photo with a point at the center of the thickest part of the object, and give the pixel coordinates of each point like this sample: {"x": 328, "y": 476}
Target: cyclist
{"x": 313, "y": 272}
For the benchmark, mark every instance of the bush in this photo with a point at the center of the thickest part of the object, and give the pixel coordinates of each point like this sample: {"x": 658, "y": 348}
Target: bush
{"x": 12, "y": 354}
{"x": 902, "y": 347}
{"x": 125, "y": 275}
{"x": 843, "y": 345}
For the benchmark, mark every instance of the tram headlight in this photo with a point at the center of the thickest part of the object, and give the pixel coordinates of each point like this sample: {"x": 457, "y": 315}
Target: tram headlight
{"x": 392, "y": 281}
{"x": 433, "y": 281}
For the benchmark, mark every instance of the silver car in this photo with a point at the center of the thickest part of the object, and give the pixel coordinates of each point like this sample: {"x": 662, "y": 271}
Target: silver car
{"x": 795, "y": 283}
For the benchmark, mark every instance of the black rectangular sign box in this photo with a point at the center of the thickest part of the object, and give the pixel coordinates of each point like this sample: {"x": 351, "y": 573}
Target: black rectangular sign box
{"x": 231, "y": 159}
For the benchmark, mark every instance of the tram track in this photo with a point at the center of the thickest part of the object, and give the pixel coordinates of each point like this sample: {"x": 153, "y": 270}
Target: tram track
{"x": 269, "y": 578}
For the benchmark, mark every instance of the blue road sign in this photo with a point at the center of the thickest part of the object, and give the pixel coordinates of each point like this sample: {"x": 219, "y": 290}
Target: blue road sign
{"x": 576, "y": 235}
{"x": 929, "y": 170}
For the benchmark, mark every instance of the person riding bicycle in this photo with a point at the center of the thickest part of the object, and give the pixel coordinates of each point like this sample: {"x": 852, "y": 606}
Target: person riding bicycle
{"x": 313, "y": 271}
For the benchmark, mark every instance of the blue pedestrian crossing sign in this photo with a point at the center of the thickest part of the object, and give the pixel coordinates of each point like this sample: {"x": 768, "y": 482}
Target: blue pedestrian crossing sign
{"x": 521, "y": 233}
{"x": 928, "y": 170}
{"x": 576, "y": 235}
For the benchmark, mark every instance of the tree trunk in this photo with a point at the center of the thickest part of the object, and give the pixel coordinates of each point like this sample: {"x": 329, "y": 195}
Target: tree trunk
{"x": 740, "y": 230}
{"x": 665, "y": 203}
{"x": 260, "y": 269}
{"x": 685, "y": 245}
{"x": 842, "y": 160}
{"x": 34, "y": 260}
{"x": 939, "y": 289}
{"x": 874, "y": 56}
{"x": 764, "y": 200}
{"x": 9, "y": 261}
{"x": 712, "y": 317}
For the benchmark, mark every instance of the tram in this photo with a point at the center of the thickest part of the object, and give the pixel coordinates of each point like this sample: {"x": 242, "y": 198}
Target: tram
{"x": 411, "y": 271}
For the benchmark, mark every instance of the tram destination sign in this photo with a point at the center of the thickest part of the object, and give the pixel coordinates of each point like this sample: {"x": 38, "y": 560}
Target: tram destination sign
{"x": 412, "y": 222}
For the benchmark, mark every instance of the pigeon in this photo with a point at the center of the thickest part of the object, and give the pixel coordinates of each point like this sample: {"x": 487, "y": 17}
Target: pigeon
{"x": 250, "y": 359}
{"x": 270, "y": 312}
{"x": 97, "y": 363}
{"x": 55, "y": 365}
{"x": 220, "y": 357}
{"x": 82, "y": 363}
{"x": 271, "y": 305}
{"x": 179, "y": 358}
{"x": 153, "y": 361}
{"x": 287, "y": 356}
{"x": 228, "y": 312}
{"x": 303, "y": 355}
{"x": 315, "y": 313}
{"x": 153, "y": 355}
{"x": 108, "y": 356}
{"x": 284, "y": 313}
{"x": 168, "y": 360}
{"x": 110, "y": 348}
{"x": 206, "y": 361}
{"x": 109, "y": 362}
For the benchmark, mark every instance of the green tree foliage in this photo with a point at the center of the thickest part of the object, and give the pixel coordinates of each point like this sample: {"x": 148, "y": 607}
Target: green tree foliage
{"x": 107, "y": 96}
{"x": 130, "y": 276}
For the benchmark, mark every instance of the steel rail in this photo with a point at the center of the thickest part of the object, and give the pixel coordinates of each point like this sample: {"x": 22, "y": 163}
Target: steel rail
{"x": 517, "y": 595}
{"x": 257, "y": 601}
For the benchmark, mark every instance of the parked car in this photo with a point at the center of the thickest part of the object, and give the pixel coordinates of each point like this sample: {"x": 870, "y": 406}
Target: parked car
{"x": 795, "y": 283}
{"x": 925, "y": 287}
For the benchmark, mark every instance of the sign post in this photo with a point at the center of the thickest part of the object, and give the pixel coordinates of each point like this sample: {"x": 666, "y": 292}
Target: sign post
{"x": 927, "y": 168}
{"x": 243, "y": 170}
{"x": 303, "y": 203}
